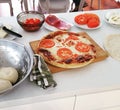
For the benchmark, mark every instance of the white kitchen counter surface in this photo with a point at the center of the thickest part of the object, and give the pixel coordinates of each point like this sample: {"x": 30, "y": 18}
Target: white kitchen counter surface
{"x": 96, "y": 77}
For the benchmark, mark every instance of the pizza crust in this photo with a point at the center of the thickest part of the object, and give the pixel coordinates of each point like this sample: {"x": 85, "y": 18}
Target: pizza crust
{"x": 73, "y": 65}
{"x": 112, "y": 45}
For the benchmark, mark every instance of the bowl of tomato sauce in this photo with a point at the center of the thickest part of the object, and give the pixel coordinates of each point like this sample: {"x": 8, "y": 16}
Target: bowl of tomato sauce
{"x": 30, "y": 20}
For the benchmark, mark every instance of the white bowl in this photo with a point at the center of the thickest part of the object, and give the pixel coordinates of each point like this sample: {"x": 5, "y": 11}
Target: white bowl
{"x": 113, "y": 18}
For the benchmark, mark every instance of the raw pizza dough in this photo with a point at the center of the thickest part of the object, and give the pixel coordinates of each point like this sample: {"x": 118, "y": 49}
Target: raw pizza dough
{"x": 4, "y": 84}
{"x": 112, "y": 45}
{"x": 9, "y": 73}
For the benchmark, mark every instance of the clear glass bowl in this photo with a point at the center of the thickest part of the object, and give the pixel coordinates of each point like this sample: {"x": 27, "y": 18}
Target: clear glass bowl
{"x": 30, "y": 20}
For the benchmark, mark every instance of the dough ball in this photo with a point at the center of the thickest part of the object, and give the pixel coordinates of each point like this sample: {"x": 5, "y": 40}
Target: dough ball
{"x": 4, "y": 84}
{"x": 9, "y": 73}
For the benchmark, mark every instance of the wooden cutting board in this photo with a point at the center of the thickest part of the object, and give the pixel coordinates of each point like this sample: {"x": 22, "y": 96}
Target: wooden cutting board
{"x": 100, "y": 53}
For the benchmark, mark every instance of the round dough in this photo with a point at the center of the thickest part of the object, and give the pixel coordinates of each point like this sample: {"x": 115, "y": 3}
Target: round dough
{"x": 9, "y": 73}
{"x": 112, "y": 45}
{"x": 4, "y": 84}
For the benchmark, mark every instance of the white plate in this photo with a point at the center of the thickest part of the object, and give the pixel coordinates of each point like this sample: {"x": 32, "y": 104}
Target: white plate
{"x": 52, "y": 28}
{"x": 86, "y": 27}
{"x": 108, "y": 15}
{"x": 49, "y": 27}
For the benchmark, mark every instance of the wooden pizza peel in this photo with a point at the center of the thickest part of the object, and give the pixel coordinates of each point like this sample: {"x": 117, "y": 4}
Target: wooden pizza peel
{"x": 100, "y": 53}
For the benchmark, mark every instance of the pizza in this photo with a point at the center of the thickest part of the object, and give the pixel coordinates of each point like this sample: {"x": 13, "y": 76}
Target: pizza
{"x": 66, "y": 49}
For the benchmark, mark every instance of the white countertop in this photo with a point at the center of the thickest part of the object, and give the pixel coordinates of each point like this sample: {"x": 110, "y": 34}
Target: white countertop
{"x": 96, "y": 77}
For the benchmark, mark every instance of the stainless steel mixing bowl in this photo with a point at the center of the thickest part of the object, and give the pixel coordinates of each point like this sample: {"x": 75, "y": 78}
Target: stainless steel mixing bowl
{"x": 15, "y": 55}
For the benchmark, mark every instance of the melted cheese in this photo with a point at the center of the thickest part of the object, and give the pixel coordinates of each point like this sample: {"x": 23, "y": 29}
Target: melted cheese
{"x": 60, "y": 42}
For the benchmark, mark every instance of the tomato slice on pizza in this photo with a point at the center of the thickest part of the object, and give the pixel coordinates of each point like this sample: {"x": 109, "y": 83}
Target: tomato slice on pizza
{"x": 46, "y": 43}
{"x": 66, "y": 49}
{"x": 82, "y": 47}
{"x": 64, "y": 53}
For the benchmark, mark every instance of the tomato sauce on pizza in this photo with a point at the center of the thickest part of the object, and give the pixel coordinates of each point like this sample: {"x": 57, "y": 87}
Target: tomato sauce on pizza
{"x": 66, "y": 49}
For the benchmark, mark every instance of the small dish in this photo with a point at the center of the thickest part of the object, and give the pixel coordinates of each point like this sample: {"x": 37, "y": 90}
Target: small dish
{"x": 113, "y": 18}
{"x": 30, "y": 20}
{"x": 88, "y": 21}
{"x": 52, "y": 28}
{"x": 49, "y": 27}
